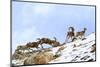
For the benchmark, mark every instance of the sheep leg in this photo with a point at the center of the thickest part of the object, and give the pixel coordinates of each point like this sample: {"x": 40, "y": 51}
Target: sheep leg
{"x": 42, "y": 46}
{"x": 66, "y": 40}
{"x": 80, "y": 37}
{"x": 83, "y": 36}
{"x": 37, "y": 48}
{"x": 73, "y": 38}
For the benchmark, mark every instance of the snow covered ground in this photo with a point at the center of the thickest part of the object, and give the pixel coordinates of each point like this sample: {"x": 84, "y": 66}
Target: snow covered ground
{"x": 77, "y": 51}
{"x": 82, "y": 51}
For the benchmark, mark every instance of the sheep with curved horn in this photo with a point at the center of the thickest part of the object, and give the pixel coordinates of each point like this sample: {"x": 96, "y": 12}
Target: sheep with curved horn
{"x": 53, "y": 43}
{"x": 56, "y": 43}
{"x": 33, "y": 44}
{"x": 70, "y": 34}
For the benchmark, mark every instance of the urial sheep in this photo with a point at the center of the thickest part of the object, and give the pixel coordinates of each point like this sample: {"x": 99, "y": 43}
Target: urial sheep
{"x": 81, "y": 33}
{"x": 70, "y": 34}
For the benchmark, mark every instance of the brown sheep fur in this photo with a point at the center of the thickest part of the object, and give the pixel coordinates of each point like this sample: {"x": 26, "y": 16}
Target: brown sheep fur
{"x": 53, "y": 43}
{"x": 45, "y": 40}
{"x": 70, "y": 34}
{"x": 81, "y": 33}
{"x": 33, "y": 45}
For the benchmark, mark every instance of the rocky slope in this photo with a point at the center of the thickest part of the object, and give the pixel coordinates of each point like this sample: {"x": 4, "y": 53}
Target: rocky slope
{"x": 77, "y": 51}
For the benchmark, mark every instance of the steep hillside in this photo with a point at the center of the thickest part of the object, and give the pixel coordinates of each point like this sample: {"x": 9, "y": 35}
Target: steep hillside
{"x": 80, "y": 50}
{"x": 77, "y": 51}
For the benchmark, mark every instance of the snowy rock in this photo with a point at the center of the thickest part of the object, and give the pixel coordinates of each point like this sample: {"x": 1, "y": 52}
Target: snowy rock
{"x": 77, "y": 51}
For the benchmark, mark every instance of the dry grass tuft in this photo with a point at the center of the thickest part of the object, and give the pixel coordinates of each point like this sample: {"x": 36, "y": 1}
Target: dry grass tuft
{"x": 39, "y": 58}
{"x": 43, "y": 58}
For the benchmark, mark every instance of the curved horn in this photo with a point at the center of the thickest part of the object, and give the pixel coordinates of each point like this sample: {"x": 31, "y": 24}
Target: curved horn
{"x": 72, "y": 28}
{"x": 85, "y": 28}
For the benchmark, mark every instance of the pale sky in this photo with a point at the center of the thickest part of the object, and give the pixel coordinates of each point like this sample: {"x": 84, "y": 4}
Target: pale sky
{"x": 36, "y": 20}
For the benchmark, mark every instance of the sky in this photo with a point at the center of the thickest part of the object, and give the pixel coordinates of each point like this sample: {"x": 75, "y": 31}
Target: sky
{"x": 36, "y": 20}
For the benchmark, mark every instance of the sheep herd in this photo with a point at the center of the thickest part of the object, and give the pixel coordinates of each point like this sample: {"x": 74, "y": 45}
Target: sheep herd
{"x": 41, "y": 56}
{"x": 40, "y": 41}
{"x": 53, "y": 42}
{"x": 72, "y": 35}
